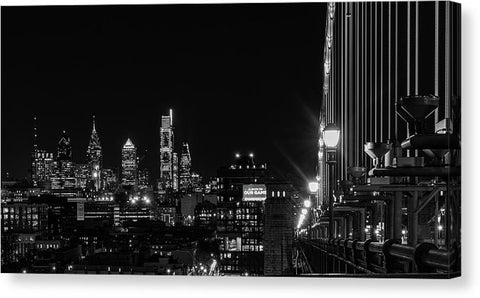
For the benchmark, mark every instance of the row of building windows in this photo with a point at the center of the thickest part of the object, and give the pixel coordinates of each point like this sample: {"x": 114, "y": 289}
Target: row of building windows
{"x": 252, "y": 247}
{"x": 252, "y": 229}
{"x": 16, "y": 216}
{"x": 48, "y": 246}
{"x": 278, "y": 194}
{"x": 19, "y": 210}
{"x": 228, "y": 268}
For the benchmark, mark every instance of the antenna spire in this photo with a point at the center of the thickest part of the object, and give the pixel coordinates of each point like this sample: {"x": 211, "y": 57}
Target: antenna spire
{"x": 35, "y": 132}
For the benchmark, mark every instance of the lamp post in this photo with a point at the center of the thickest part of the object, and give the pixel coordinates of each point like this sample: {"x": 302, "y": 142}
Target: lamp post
{"x": 331, "y": 136}
{"x": 309, "y": 204}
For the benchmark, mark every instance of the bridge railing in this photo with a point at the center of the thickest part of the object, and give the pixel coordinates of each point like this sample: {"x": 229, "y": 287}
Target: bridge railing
{"x": 346, "y": 256}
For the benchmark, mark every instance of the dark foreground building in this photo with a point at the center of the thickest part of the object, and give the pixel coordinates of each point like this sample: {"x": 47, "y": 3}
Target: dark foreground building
{"x": 279, "y": 229}
{"x": 254, "y": 221}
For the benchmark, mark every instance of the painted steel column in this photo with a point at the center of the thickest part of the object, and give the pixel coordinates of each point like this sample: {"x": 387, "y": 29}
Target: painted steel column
{"x": 397, "y": 215}
{"x": 435, "y": 234}
{"x": 447, "y": 62}
{"x": 412, "y": 219}
{"x": 437, "y": 54}
{"x": 331, "y": 225}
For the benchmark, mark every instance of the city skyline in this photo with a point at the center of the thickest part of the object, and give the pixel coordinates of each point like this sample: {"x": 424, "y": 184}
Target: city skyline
{"x": 271, "y": 139}
{"x": 273, "y": 120}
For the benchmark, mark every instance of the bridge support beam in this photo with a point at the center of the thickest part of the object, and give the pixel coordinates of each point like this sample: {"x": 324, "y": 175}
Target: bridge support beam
{"x": 412, "y": 219}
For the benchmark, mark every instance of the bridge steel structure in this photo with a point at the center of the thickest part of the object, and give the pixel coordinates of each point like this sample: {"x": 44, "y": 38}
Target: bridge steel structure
{"x": 391, "y": 81}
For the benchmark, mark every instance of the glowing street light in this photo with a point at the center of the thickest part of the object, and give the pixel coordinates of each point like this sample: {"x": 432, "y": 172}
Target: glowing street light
{"x": 304, "y": 211}
{"x": 237, "y": 155}
{"x": 313, "y": 186}
{"x": 307, "y": 203}
{"x": 251, "y": 155}
{"x": 331, "y": 136}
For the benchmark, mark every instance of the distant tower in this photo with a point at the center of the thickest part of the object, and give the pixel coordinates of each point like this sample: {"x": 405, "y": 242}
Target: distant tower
{"x": 35, "y": 134}
{"x": 42, "y": 162}
{"x": 175, "y": 171}
{"x": 94, "y": 159}
{"x": 185, "y": 168}
{"x": 34, "y": 171}
{"x": 63, "y": 169}
{"x": 64, "y": 148}
{"x": 168, "y": 159}
{"x": 129, "y": 164}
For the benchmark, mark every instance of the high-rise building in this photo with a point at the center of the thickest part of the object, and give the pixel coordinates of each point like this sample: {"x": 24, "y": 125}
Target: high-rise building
{"x": 143, "y": 178}
{"x": 109, "y": 179}
{"x": 241, "y": 196}
{"x": 82, "y": 175}
{"x": 63, "y": 168}
{"x": 94, "y": 158}
{"x": 185, "y": 169}
{"x": 175, "y": 171}
{"x": 168, "y": 160}
{"x": 129, "y": 164}
{"x": 42, "y": 162}
{"x": 64, "y": 148}
{"x": 42, "y": 168}
{"x": 196, "y": 182}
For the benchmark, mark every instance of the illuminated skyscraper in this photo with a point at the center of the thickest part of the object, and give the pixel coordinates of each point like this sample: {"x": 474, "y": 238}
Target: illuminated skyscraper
{"x": 94, "y": 158}
{"x": 42, "y": 161}
{"x": 63, "y": 170}
{"x": 64, "y": 148}
{"x": 168, "y": 159}
{"x": 82, "y": 175}
{"x": 110, "y": 180}
{"x": 175, "y": 171}
{"x": 42, "y": 167}
{"x": 129, "y": 164}
{"x": 185, "y": 168}
{"x": 143, "y": 178}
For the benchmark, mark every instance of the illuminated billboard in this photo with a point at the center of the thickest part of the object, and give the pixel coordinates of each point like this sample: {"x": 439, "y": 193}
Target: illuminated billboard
{"x": 254, "y": 192}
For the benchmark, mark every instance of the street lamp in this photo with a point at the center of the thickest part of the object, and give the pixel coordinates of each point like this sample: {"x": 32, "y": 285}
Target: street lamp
{"x": 307, "y": 203}
{"x": 331, "y": 136}
{"x": 313, "y": 187}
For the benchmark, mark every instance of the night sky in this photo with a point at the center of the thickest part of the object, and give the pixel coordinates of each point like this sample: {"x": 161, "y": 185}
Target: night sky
{"x": 240, "y": 78}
